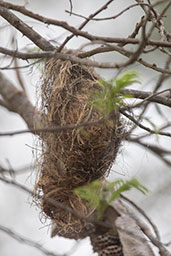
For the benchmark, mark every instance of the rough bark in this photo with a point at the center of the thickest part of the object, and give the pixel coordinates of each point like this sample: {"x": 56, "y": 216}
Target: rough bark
{"x": 18, "y": 102}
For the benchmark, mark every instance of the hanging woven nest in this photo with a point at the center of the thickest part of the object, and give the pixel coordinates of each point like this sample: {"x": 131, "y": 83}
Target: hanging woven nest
{"x": 71, "y": 158}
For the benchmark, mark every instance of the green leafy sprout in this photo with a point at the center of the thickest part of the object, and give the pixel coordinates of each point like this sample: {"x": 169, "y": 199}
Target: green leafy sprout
{"x": 99, "y": 195}
{"x": 110, "y": 97}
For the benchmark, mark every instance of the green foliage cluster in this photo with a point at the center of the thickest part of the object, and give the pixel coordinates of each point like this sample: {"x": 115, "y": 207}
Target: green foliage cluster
{"x": 99, "y": 195}
{"x": 109, "y": 97}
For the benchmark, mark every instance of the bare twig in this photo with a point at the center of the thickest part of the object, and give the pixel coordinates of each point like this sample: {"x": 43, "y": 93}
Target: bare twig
{"x": 125, "y": 53}
{"x": 62, "y": 206}
{"x": 26, "y": 30}
{"x": 158, "y": 151}
{"x": 149, "y": 96}
{"x": 20, "y": 67}
{"x": 54, "y": 203}
{"x": 163, "y": 76}
{"x": 50, "y": 200}
{"x": 25, "y": 55}
{"x": 78, "y": 31}
{"x": 54, "y": 129}
{"x": 107, "y": 18}
{"x": 27, "y": 241}
{"x": 155, "y": 241}
{"x": 164, "y": 126}
{"x": 71, "y": 5}
{"x": 85, "y": 23}
{"x": 18, "y": 171}
{"x": 87, "y": 62}
{"x": 158, "y": 19}
{"x": 131, "y": 118}
{"x": 18, "y": 74}
{"x": 142, "y": 212}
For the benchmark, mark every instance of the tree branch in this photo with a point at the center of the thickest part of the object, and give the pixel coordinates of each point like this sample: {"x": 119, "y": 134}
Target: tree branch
{"x": 55, "y": 129}
{"x": 87, "y": 62}
{"x": 141, "y": 211}
{"x": 124, "y": 52}
{"x": 26, "y": 30}
{"x": 105, "y": 225}
{"x": 27, "y": 241}
{"x": 132, "y": 239}
{"x": 149, "y": 96}
{"x": 75, "y": 31}
{"x": 131, "y": 118}
{"x": 85, "y": 23}
{"x": 18, "y": 102}
{"x": 20, "y": 170}
{"x": 130, "y": 234}
{"x": 158, "y": 151}
{"x": 162, "y": 250}
{"x": 4, "y": 104}
{"x": 107, "y": 18}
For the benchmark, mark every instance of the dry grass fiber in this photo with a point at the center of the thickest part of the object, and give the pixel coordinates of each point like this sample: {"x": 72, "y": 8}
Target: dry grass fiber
{"x": 72, "y": 158}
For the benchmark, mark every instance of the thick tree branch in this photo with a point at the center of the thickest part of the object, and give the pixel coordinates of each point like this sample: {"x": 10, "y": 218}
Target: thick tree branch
{"x": 149, "y": 96}
{"x": 142, "y": 212}
{"x": 25, "y": 55}
{"x": 132, "y": 238}
{"x": 4, "y": 104}
{"x": 18, "y": 102}
{"x": 66, "y": 56}
{"x": 47, "y": 54}
{"x": 145, "y": 229}
{"x": 26, "y": 30}
{"x": 87, "y": 62}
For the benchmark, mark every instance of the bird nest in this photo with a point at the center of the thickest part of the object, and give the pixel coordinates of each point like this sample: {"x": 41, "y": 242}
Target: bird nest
{"x": 72, "y": 157}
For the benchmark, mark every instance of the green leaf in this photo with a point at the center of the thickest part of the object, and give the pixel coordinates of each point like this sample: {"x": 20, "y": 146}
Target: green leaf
{"x": 90, "y": 193}
{"x": 125, "y": 186}
{"x": 127, "y": 78}
{"x": 127, "y": 96}
{"x": 99, "y": 196}
{"x": 109, "y": 97}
